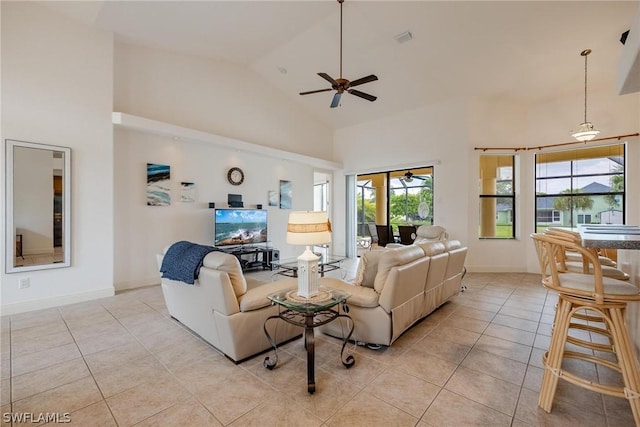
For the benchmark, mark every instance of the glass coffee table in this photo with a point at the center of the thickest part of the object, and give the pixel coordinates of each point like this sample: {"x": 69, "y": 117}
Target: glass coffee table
{"x": 326, "y": 263}
{"x": 310, "y": 313}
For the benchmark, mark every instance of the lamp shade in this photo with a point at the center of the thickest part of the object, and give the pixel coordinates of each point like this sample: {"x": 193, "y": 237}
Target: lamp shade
{"x": 308, "y": 228}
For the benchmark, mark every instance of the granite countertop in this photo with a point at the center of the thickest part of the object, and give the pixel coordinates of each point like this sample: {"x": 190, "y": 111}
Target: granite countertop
{"x": 610, "y": 236}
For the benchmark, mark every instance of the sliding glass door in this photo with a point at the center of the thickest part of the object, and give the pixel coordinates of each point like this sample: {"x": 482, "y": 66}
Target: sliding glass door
{"x": 399, "y": 197}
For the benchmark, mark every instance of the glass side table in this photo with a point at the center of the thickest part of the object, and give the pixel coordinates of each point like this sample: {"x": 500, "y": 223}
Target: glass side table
{"x": 326, "y": 263}
{"x": 310, "y": 313}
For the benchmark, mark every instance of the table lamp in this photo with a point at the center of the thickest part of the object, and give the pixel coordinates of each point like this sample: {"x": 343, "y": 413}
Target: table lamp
{"x": 308, "y": 228}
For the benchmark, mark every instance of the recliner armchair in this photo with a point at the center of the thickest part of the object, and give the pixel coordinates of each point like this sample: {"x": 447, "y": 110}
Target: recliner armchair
{"x": 394, "y": 288}
{"x": 428, "y": 233}
{"x": 226, "y": 309}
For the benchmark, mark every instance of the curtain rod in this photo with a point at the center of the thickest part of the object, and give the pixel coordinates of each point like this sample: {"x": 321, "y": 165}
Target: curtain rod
{"x": 540, "y": 147}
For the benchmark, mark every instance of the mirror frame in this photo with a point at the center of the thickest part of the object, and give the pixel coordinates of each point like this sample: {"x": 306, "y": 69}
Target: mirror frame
{"x": 66, "y": 203}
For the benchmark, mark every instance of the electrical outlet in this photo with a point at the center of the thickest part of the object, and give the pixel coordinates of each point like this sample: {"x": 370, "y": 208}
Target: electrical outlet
{"x": 24, "y": 283}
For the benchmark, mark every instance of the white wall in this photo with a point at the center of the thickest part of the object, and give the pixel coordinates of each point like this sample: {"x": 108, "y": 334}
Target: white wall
{"x": 57, "y": 89}
{"x": 141, "y": 231}
{"x": 418, "y": 137}
{"x": 221, "y": 99}
{"x": 216, "y": 97}
{"x": 449, "y": 133}
{"x": 61, "y": 80}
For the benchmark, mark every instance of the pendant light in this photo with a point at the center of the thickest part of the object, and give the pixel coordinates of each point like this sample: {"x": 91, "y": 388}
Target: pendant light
{"x": 585, "y": 131}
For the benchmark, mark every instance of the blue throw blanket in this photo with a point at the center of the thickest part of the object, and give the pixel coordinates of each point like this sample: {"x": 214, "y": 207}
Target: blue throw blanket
{"x": 183, "y": 260}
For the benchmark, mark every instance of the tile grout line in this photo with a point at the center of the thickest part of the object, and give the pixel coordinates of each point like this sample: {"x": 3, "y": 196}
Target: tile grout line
{"x": 88, "y": 369}
{"x": 163, "y": 365}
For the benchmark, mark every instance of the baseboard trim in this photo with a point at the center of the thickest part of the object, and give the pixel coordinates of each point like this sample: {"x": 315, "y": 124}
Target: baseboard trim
{"x": 21, "y": 307}
{"x": 150, "y": 281}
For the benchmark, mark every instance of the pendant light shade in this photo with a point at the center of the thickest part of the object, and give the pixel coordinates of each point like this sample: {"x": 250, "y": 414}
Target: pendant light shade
{"x": 585, "y": 131}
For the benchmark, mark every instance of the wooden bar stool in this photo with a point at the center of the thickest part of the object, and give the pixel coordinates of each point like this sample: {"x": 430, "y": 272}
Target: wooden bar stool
{"x": 575, "y": 262}
{"x": 593, "y": 298}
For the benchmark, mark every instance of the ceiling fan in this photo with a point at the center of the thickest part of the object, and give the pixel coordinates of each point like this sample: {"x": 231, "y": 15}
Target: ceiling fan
{"x": 340, "y": 85}
{"x": 408, "y": 177}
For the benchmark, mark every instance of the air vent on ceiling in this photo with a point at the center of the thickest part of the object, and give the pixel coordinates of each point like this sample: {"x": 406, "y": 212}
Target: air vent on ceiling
{"x": 404, "y": 37}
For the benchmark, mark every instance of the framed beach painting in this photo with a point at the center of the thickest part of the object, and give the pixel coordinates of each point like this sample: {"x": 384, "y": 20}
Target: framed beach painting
{"x": 188, "y": 192}
{"x": 158, "y": 185}
{"x": 285, "y": 194}
{"x": 273, "y": 198}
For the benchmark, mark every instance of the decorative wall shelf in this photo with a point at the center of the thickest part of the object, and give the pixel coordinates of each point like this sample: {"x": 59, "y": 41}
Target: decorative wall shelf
{"x": 128, "y": 121}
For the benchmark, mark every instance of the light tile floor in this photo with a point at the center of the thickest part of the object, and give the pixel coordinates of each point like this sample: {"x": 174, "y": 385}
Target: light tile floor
{"x": 38, "y": 259}
{"x": 122, "y": 361}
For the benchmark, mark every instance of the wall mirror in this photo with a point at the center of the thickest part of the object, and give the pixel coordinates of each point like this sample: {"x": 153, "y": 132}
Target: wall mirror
{"x": 38, "y": 217}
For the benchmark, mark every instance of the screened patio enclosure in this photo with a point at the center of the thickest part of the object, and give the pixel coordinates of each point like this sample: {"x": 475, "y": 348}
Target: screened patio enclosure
{"x": 399, "y": 197}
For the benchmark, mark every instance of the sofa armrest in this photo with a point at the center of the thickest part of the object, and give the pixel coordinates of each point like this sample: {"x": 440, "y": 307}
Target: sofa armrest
{"x": 254, "y": 283}
{"x": 404, "y": 283}
{"x": 256, "y": 298}
{"x": 361, "y": 296}
{"x": 223, "y": 298}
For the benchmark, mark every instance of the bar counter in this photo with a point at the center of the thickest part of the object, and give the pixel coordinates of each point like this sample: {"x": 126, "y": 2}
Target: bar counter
{"x": 610, "y": 236}
{"x": 626, "y": 239}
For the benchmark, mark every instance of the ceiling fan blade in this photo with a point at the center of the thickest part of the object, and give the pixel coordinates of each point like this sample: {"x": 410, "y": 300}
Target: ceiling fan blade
{"x": 315, "y": 91}
{"x": 363, "y": 95}
{"x": 363, "y": 80}
{"x": 328, "y": 78}
{"x": 336, "y": 99}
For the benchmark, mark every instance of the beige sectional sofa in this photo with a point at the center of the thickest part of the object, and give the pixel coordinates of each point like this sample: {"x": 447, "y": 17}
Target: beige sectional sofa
{"x": 394, "y": 288}
{"x": 226, "y": 309}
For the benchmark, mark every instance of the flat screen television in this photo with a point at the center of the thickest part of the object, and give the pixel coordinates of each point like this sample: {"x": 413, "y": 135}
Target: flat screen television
{"x": 239, "y": 226}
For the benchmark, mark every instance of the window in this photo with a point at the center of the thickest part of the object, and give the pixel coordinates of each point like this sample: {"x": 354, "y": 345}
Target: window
{"x": 584, "y": 219}
{"x": 320, "y": 197}
{"x": 548, "y": 215}
{"x": 583, "y": 186}
{"x": 411, "y": 197}
{"x": 497, "y": 197}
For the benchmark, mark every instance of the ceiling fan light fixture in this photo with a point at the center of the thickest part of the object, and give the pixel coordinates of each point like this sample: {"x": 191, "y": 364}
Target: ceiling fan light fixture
{"x": 585, "y": 131}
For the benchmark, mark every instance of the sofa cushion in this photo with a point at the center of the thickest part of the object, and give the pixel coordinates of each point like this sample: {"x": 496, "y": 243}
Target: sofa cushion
{"x": 230, "y": 265}
{"x": 432, "y": 248}
{"x": 394, "y": 257}
{"x": 427, "y": 233}
{"x": 256, "y": 298}
{"x": 362, "y": 263}
{"x": 360, "y": 296}
{"x": 450, "y": 245}
{"x": 370, "y": 262}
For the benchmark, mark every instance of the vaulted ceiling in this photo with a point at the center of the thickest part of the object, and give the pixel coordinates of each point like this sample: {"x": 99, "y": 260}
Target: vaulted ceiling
{"x": 518, "y": 50}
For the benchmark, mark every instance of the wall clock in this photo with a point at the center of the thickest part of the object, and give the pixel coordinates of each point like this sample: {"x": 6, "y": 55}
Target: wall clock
{"x": 235, "y": 176}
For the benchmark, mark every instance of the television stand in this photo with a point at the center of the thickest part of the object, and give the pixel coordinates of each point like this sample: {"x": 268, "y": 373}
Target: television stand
{"x": 252, "y": 257}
